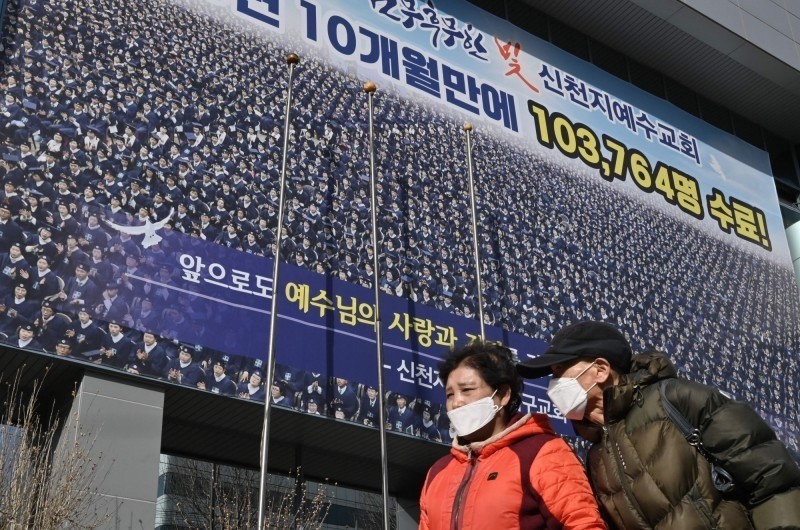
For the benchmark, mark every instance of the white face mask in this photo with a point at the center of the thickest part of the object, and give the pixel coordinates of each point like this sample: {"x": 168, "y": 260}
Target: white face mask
{"x": 569, "y": 396}
{"x": 469, "y": 418}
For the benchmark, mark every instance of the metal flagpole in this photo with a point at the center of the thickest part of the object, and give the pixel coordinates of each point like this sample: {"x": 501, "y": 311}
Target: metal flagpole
{"x": 370, "y": 89}
{"x": 474, "y": 210}
{"x": 291, "y": 59}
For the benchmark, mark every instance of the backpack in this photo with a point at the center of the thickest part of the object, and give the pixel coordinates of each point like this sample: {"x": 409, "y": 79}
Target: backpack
{"x": 723, "y": 481}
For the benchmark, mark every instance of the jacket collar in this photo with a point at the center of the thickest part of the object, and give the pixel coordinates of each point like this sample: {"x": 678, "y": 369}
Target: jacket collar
{"x": 646, "y": 369}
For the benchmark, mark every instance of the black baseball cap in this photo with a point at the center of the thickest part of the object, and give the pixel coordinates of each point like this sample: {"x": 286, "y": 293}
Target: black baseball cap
{"x": 590, "y": 338}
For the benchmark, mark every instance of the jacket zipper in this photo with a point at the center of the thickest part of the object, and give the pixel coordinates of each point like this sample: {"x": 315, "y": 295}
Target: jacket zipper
{"x": 702, "y": 508}
{"x": 462, "y": 490}
{"x": 608, "y": 439}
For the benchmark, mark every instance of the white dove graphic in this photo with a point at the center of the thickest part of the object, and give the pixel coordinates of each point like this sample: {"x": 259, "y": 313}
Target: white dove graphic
{"x": 148, "y": 229}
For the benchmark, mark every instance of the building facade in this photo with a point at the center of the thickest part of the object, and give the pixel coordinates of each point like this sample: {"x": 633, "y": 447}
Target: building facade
{"x": 142, "y": 155}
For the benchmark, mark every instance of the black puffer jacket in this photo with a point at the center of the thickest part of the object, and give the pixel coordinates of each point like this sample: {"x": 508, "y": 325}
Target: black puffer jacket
{"x": 647, "y": 476}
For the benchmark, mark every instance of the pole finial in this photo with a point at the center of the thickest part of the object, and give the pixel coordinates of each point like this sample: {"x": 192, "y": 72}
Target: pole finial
{"x": 292, "y": 58}
{"x": 468, "y": 127}
{"x": 370, "y": 87}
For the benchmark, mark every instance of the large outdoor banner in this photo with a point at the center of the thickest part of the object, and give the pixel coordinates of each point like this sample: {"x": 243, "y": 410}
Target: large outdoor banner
{"x": 141, "y": 154}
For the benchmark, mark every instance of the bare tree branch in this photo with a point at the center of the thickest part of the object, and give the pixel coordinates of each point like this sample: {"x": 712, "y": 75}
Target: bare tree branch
{"x": 46, "y": 482}
{"x": 208, "y": 496}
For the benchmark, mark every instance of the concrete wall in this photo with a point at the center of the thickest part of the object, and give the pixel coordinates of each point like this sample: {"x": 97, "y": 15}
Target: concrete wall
{"x": 119, "y": 423}
{"x": 772, "y": 25}
{"x": 793, "y": 237}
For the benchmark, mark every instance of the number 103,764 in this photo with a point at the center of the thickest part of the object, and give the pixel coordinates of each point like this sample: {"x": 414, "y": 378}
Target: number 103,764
{"x": 614, "y": 160}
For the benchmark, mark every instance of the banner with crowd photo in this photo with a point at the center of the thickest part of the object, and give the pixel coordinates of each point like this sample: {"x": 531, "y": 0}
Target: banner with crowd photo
{"x": 218, "y": 298}
{"x": 164, "y": 119}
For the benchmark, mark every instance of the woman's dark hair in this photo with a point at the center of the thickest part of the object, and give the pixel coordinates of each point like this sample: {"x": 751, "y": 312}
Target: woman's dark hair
{"x": 495, "y": 364}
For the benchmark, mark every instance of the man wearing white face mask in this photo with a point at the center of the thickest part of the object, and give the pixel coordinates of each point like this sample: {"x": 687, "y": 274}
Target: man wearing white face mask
{"x": 506, "y": 470}
{"x": 643, "y": 469}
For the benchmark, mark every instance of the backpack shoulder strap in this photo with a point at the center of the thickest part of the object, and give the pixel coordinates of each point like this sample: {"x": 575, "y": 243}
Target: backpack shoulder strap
{"x": 526, "y": 451}
{"x": 688, "y": 430}
{"x": 723, "y": 481}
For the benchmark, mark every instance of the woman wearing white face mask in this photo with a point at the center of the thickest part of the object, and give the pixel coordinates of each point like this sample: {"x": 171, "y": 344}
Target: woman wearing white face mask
{"x": 506, "y": 469}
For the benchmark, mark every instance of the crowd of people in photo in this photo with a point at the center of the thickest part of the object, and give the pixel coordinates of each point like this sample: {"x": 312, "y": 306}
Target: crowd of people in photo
{"x": 130, "y": 113}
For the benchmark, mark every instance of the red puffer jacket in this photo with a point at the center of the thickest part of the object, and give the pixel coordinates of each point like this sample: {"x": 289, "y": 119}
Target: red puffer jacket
{"x": 525, "y": 477}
